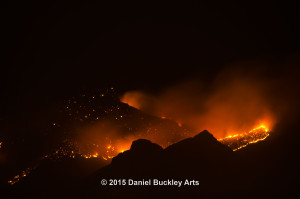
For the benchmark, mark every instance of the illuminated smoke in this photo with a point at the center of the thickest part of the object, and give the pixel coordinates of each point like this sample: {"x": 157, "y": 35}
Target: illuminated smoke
{"x": 103, "y": 138}
{"x": 238, "y": 141}
{"x": 238, "y": 107}
{"x": 235, "y": 102}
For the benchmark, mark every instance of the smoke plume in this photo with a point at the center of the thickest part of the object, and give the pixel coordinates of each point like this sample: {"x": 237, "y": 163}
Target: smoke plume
{"x": 235, "y": 101}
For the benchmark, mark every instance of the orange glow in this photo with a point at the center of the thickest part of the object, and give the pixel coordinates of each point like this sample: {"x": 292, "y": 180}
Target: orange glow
{"x": 95, "y": 155}
{"x": 238, "y": 141}
{"x": 133, "y": 99}
{"x": 234, "y": 109}
{"x": 124, "y": 145}
{"x": 235, "y": 142}
{"x": 233, "y": 102}
{"x": 18, "y": 177}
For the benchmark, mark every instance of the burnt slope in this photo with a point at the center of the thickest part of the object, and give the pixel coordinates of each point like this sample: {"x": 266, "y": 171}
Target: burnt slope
{"x": 219, "y": 171}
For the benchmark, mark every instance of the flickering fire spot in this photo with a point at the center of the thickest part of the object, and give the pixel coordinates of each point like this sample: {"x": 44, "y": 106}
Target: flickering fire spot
{"x": 23, "y": 174}
{"x": 238, "y": 141}
{"x": 71, "y": 150}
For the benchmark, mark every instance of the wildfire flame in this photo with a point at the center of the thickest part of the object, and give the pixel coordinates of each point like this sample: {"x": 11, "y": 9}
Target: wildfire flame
{"x": 235, "y": 142}
{"x": 23, "y": 174}
{"x": 103, "y": 139}
{"x": 238, "y": 141}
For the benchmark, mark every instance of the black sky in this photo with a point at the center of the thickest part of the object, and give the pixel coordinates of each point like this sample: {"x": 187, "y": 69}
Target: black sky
{"x": 55, "y": 49}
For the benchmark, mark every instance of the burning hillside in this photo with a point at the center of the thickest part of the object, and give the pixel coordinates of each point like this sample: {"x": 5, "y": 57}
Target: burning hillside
{"x": 232, "y": 103}
{"x": 71, "y": 149}
{"x": 102, "y": 124}
{"x": 238, "y": 141}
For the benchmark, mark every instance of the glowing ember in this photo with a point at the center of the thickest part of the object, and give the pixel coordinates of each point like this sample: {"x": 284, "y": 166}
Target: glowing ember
{"x": 104, "y": 143}
{"x": 85, "y": 108}
{"x": 69, "y": 150}
{"x": 23, "y": 174}
{"x": 239, "y": 141}
{"x": 0, "y": 144}
{"x": 110, "y": 152}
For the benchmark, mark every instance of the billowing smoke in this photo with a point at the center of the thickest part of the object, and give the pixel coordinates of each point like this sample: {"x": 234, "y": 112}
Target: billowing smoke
{"x": 235, "y": 101}
{"x": 97, "y": 137}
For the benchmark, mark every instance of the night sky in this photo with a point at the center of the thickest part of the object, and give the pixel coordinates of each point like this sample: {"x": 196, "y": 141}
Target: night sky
{"x": 54, "y": 50}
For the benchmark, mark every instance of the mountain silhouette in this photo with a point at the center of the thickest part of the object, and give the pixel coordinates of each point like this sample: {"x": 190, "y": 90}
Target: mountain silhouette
{"x": 218, "y": 170}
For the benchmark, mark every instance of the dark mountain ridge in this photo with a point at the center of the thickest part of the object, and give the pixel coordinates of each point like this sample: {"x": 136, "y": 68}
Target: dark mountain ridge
{"x": 218, "y": 170}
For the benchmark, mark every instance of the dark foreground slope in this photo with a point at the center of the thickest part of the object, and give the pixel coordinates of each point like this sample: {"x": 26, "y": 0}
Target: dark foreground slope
{"x": 212, "y": 170}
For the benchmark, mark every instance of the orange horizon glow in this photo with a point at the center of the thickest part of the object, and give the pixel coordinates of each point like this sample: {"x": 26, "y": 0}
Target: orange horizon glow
{"x": 122, "y": 146}
{"x": 112, "y": 151}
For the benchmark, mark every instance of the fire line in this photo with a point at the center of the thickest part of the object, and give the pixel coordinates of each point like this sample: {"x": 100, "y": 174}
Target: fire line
{"x": 235, "y": 142}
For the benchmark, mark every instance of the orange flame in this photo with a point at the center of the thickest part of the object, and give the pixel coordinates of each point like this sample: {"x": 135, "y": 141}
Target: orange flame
{"x": 238, "y": 141}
